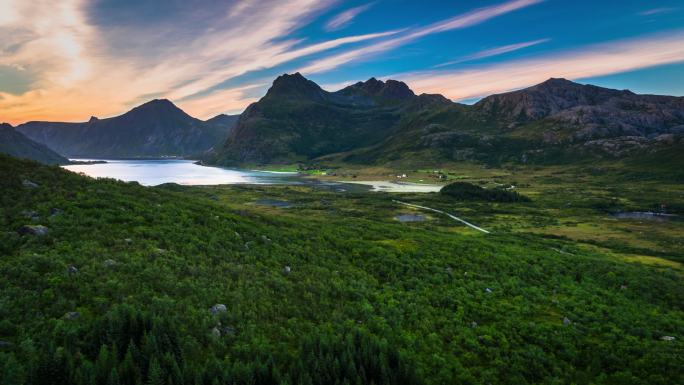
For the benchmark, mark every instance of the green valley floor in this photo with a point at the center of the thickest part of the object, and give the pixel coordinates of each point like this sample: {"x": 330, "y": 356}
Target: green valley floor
{"x": 114, "y": 283}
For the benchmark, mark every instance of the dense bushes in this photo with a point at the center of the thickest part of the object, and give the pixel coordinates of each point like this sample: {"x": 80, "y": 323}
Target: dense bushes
{"x": 469, "y": 191}
{"x": 367, "y": 300}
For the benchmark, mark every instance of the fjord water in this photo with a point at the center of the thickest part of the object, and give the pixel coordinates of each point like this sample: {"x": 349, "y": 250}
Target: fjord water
{"x": 159, "y": 171}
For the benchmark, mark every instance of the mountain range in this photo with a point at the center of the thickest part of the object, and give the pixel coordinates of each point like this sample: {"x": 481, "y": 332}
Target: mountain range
{"x": 385, "y": 122}
{"x": 376, "y": 122}
{"x": 154, "y": 129}
{"x": 15, "y": 144}
{"x": 297, "y": 120}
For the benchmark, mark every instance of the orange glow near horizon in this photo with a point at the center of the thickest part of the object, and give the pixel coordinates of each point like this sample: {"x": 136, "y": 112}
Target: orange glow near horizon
{"x": 63, "y": 67}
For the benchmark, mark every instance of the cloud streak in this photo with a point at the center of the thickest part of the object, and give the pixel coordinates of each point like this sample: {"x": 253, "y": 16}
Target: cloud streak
{"x": 343, "y": 19}
{"x": 77, "y": 68}
{"x": 656, "y": 11}
{"x": 594, "y": 60}
{"x": 494, "y": 52}
{"x": 469, "y": 19}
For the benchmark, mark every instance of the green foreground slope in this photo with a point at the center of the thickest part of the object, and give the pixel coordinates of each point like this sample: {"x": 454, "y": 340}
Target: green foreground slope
{"x": 366, "y": 299}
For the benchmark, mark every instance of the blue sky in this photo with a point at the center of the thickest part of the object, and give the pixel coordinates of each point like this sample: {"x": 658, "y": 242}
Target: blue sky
{"x": 71, "y": 59}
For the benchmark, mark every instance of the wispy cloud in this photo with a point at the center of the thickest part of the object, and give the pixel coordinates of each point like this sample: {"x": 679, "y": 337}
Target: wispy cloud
{"x": 656, "y": 11}
{"x": 231, "y": 100}
{"x": 343, "y": 19}
{"x": 458, "y": 22}
{"x": 78, "y": 68}
{"x": 594, "y": 60}
{"x": 493, "y": 52}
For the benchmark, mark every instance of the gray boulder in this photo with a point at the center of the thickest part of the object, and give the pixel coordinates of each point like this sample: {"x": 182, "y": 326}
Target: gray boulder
{"x": 72, "y": 269}
{"x": 218, "y": 308}
{"x": 29, "y": 184}
{"x": 566, "y": 321}
{"x": 38, "y": 230}
{"x": 287, "y": 270}
{"x": 109, "y": 263}
{"x": 72, "y": 315}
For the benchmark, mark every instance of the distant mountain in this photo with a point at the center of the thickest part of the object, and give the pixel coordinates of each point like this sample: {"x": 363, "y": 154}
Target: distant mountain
{"x": 224, "y": 120}
{"x": 298, "y": 120}
{"x": 377, "y": 122}
{"x": 555, "y": 121}
{"x": 157, "y": 128}
{"x": 15, "y": 144}
{"x": 593, "y": 112}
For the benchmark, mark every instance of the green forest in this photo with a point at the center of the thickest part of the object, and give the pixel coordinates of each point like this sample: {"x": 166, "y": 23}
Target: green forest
{"x": 107, "y": 282}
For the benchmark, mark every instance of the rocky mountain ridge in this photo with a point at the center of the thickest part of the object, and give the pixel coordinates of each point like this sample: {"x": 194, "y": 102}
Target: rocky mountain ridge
{"x": 156, "y": 128}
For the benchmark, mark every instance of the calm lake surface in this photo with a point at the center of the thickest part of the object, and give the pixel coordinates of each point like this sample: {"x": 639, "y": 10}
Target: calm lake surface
{"x": 186, "y": 172}
{"x": 153, "y": 172}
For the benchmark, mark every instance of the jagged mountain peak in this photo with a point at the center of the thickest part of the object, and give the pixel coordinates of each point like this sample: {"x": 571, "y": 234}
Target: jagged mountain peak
{"x": 389, "y": 90}
{"x": 295, "y": 85}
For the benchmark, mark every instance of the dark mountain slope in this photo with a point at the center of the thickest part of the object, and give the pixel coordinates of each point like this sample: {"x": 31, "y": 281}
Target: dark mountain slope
{"x": 593, "y": 112}
{"x": 156, "y": 128}
{"x": 555, "y": 121}
{"x": 224, "y": 120}
{"x": 298, "y": 120}
{"x": 15, "y": 144}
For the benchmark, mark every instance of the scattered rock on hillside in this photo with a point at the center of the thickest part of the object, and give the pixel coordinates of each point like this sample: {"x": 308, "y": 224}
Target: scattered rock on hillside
{"x": 55, "y": 212}
{"x": 29, "y": 184}
{"x": 72, "y": 269}
{"x": 218, "y": 308}
{"x": 286, "y": 270}
{"x": 109, "y": 263}
{"x": 566, "y": 321}
{"x": 667, "y": 338}
{"x": 265, "y": 239}
{"x": 216, "y": 332}
{"x": 72, "y": 315}
{"x": 38, "y": 230}
{"x": 30, "y": 214}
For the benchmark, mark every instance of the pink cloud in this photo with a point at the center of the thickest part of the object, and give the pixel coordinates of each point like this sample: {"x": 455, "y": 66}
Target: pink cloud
{"x": 345, "y": 18}
{"x": 594, "y": 60}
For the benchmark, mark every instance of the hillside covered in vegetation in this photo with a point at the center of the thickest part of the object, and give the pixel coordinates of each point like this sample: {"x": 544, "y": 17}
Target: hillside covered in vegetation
{"x": 113, "y": 283}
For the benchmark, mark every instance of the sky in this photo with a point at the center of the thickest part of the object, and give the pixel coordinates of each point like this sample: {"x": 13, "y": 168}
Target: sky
{"x": 68, "y": 60}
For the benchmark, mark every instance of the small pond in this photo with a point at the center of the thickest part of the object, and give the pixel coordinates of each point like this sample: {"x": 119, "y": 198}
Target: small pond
{"x": 410, "y": 218}
{"x": 645, "y": 216}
